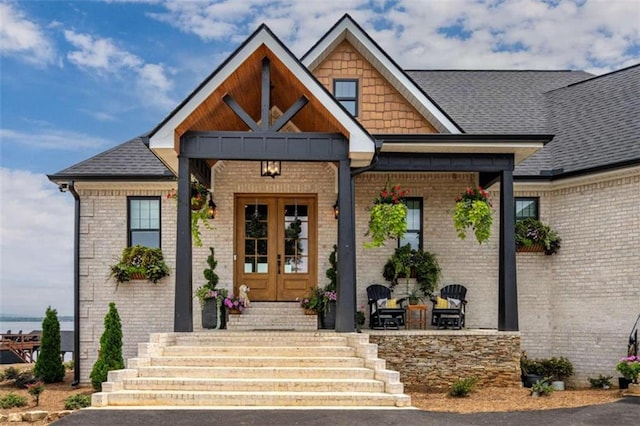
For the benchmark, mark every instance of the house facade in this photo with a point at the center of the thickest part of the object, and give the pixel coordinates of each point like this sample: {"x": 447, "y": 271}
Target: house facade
{"x": 343, "y": 122}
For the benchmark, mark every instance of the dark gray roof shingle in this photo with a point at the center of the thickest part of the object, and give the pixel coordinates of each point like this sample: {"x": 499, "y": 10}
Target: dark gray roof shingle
{"x": 129, "y": 159}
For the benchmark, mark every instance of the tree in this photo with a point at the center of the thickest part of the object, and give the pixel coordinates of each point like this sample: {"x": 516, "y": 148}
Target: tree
{"x": 110, "y": 355}
{"x": 49, "y": 365}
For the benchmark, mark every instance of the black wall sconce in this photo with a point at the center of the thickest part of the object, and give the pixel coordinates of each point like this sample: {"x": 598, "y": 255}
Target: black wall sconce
{"x": 211, "y": 212}
{"x": 336, "y": 209}
{"x": 270, "y": 168}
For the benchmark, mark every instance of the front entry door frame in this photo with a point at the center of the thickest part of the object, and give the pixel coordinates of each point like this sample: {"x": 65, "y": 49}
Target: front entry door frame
{"x": 276, "y": 263}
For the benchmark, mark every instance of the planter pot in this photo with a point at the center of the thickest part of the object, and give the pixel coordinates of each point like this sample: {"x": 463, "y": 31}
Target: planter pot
{"x": 223, "y": 317}
{"x": 535, "y": 394}
{"x": 623, "y": 382}
{"x": 138, "y": 276}
{"x": 634, "y": 389}
{"x": 210, "y": 313}
{"x": 197, "y": 203}
{"x": 235, "y": 311}
{"x": 310, "y": 312}
{"x": 558, "y": 385}
{"x": 328, "y": 318}
{"x": 528, "y": 380}
{"x": 534, "y": 248}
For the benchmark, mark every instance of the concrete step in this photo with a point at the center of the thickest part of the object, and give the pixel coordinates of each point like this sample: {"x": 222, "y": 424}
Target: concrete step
{"x": 240, "y": 398}
{"x": 254, "y": 384}
{"x": 230, "y": 338}
{"x": 357, "y": 373}
{"x": 257, "y": 361}
{"x": 271, "y": 351}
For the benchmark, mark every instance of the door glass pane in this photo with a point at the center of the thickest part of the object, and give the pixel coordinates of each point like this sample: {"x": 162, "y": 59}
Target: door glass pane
{"x": 296, "y": 238}
{"x": 255, "y": 238}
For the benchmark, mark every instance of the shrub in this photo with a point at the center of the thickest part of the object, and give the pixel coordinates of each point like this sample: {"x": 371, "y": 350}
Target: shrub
{"x": 110, "y": 355}
{"x": 35, "y": 389}
{"x": 11, "y": 373}
{"x": 11, "y": 400}
{"x": 49, "y": 366}
{"x": 463, "y": 387}
{"x": 24, "y": 379}
{"x": 542, "y": 388}
{"x": 557, "y": 368}
{"x": 601, "y": 382}
{"x": 77, "y": 401}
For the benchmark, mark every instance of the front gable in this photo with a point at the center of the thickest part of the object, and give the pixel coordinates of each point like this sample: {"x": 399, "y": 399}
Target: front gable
{"x": 240, "y": 78}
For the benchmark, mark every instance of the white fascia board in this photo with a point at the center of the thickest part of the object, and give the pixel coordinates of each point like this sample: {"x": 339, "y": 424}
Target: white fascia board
{"x": 359, "y": 140}
{"x": 362, "y": 43}
{"x": 521, "y": 150}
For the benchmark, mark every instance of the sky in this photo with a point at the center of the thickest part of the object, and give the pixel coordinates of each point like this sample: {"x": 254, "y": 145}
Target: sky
{"x": 79, "y": 77}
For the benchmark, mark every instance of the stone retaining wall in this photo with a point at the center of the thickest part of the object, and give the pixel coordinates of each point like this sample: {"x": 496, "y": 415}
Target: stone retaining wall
{"x": 434, "y": 359}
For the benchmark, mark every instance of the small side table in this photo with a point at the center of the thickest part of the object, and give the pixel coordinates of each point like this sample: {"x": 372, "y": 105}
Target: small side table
{"x": 419, "y": 320}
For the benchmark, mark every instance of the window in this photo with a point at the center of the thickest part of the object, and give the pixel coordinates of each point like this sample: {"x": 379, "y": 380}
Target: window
{"x": 144, "y": 221}
{"x": 346, "y": 92}
{"x": 526, "y": 207}
{"x": 413, "y": 235}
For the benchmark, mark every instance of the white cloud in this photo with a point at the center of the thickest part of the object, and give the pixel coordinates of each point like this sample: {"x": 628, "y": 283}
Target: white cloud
{"x": 512, "y": 34}
{"x": 101, "y": 55}
{"x": 47, "y": 138}
{"x": 36, "y": 245}
{"x": 23, "y": 38}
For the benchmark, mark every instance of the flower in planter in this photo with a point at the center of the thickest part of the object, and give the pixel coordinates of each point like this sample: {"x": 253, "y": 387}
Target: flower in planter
{"x": 531, "y": 232}
{"x": 629, "y": 367}
{"x": 474, "y": 210}
{"x": 233, "y": 302}
{"x": 199, "y": 210}
{"x": 387, "y": 216}
{"x": 139, "y": 260}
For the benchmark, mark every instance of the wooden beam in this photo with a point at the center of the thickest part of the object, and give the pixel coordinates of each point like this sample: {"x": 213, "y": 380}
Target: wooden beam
{"x": 290, "y": 113}
{"x": 241, "y": 113}
{"x": 266, "y": 92}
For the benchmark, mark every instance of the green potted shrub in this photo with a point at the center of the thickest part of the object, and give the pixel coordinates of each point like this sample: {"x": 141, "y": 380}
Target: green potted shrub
{"x": 557, "y": 369}
{"x": 473, "y": 210}
{"x": 139, "y": 262}
{"x": 407, "y": 263}
{"x": 532, "y": 235}
{"x": 208, "y": 295}
{"x": 531, "y": 371}
{"x": 387, "y": 216}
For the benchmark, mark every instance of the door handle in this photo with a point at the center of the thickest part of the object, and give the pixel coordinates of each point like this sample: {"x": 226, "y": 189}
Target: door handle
{"x": 279, "y": 261}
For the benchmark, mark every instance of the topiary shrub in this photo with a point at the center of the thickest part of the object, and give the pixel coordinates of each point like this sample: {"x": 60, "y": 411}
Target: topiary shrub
{"x": 49, "y": 365}
{"x": 110, "y": 355}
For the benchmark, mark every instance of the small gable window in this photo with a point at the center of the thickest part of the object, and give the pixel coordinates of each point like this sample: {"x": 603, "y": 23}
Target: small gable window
{"x": 526, "y": 207}
{"x": 144, "y": 221}
{"x": 346, "y": 92}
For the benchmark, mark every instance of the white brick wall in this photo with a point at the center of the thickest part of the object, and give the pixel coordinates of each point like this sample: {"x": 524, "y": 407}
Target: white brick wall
{"x": 579, "y": 303}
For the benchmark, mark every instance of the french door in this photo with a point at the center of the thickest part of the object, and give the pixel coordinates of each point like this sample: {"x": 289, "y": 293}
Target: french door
{"x": 276, "y": 245}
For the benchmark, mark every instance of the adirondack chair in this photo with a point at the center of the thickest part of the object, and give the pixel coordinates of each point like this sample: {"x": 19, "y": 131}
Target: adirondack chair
{"x": 383, "y": 317}
{"x": 453, "y": 315}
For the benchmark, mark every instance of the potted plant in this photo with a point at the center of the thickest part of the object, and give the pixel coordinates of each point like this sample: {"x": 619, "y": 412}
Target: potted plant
{"x": 387, "y": 216}
{"x": 360, "y": 319}
{"x": 541, "y": 388}
{"x": 558, "y": 369}
{"x": 199, "y": 210}
{"x": 312, "y": 304}
{"x": 233, "y": 304}
{"x": 532, "y": 235}
{"x": 531, "y": 370}
{"x": 407, "y": 262}
{"x": 208, "y": 295}
{"x": 139, "y": 263}
{"x": 473, "y": 210}
{"x": 629, "y": 367}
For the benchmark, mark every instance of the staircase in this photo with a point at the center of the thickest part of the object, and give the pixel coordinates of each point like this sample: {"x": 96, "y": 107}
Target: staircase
{"x": 234, "y": 369}
{"x": 285, "y": 316}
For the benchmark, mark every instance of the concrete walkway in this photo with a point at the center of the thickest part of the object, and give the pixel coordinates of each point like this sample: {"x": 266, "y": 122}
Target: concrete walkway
{"x": 625, "y": 412}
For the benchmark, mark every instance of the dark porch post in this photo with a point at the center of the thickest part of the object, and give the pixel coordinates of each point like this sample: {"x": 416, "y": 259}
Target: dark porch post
{"x": 183, "y": 309}
{"x": 507, "y": 283}
{"x": 346, "y": 291}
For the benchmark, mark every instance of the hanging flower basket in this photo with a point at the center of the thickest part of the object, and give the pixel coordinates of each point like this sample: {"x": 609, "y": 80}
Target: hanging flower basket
{"x": 387, "y": 216}
{"x": 473, "y": 210}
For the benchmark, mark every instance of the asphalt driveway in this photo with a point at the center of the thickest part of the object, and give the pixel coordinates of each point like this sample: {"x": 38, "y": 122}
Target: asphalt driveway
{"x": 625, "y": 412}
